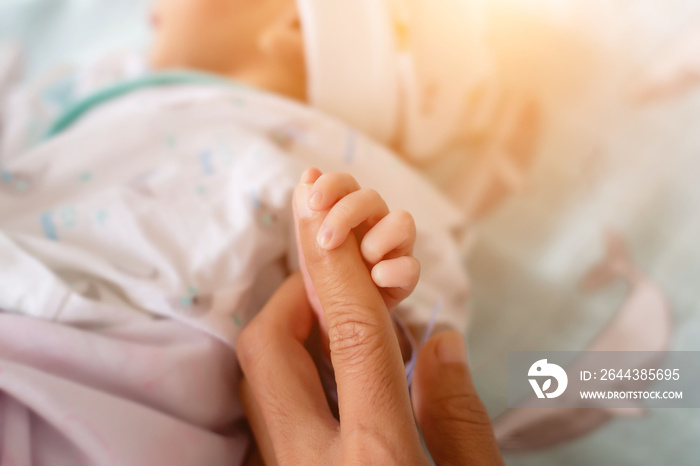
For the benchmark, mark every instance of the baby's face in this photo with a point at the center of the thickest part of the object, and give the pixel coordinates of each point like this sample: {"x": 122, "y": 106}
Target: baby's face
{"x": 218, "y": 36}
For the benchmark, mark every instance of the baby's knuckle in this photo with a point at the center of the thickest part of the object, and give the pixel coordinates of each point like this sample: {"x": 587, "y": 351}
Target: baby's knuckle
{"x": 372, "y": 195}
{"x": 349, "y": 181}
{"x": 405, "y": 223}
{"x": 348, "y": 177}
{"x": 413, "y": 271}
{"x": 326, "y": 179}
{"x": 371, "y": 251}
{"x": 340, "y": 213}
{"x": 413, "y": 266}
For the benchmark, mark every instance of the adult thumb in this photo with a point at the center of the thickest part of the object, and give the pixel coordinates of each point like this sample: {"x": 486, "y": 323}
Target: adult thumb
{"x": 455, "y": 424}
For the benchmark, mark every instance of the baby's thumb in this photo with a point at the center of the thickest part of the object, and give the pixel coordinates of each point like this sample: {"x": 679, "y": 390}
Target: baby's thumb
{"x": 455, "y": 424}
{"x": 301, "y": 209}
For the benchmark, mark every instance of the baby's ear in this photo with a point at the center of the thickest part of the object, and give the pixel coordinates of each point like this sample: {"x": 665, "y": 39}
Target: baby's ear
{"x": 283, "y": 39}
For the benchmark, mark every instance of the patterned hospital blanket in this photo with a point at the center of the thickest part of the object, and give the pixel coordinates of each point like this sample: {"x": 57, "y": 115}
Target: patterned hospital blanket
{"x": 612, "y": 155}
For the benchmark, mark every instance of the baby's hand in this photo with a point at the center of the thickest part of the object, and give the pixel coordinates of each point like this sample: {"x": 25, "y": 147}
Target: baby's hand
{"x": 386, "y": 238}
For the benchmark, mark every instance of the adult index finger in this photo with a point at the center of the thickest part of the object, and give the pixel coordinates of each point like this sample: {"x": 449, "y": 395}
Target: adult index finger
{"x": 373, "y": 394}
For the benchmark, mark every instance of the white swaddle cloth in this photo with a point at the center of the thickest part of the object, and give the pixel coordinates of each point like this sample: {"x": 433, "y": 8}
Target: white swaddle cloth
{"x": 402, "y": 71}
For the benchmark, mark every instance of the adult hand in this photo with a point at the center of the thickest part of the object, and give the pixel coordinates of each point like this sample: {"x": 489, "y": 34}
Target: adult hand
{"x": 282, "y": 391}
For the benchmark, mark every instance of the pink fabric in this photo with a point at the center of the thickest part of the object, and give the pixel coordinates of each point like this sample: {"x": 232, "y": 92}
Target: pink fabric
{"x": 150, "y": 393}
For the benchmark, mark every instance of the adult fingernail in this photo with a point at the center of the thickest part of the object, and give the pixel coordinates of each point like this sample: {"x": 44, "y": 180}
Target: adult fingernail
{"x": 315, "y": 200}
{"x": 324, "y": 237}
{"x": 451, "y": 349}
{"x": 301, "y": 200}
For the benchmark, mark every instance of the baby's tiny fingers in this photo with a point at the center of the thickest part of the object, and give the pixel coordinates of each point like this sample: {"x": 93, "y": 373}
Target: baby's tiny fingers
{"x": 310, "y": 175}
{"x": 365, "y": 206}
{"x": 395, "y": 234}
{"x": 330, "y": 188}
{"x": 401, "y": 273}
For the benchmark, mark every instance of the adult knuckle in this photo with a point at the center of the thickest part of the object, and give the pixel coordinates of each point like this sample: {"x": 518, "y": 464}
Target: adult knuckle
{"x": 349, "y": 334}
{"x": 372, "y": 447}
{"x": 287, "y": 458}
{"x": 375, "y": 446}
{"x": 305, "y": 224}
{"x": 461, "y": 410}
{"x": 333, "y": 286}
{"x": 353, "y": 340}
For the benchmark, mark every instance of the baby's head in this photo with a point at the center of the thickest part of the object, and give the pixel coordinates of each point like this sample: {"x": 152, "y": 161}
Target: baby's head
{"x": 258, "y": 42}
{"x": 398, "y": 70}
{"x": 346, "y": 48}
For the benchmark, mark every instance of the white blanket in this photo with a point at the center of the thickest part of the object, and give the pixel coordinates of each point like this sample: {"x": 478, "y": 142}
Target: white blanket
{"x": 170, "y": 202}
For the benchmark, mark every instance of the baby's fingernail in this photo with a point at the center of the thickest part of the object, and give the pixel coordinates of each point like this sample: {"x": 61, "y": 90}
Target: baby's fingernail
{"x": 301, "y": 200}
{"x": 315, "y": 201}
{"x": 324, "y": 237}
